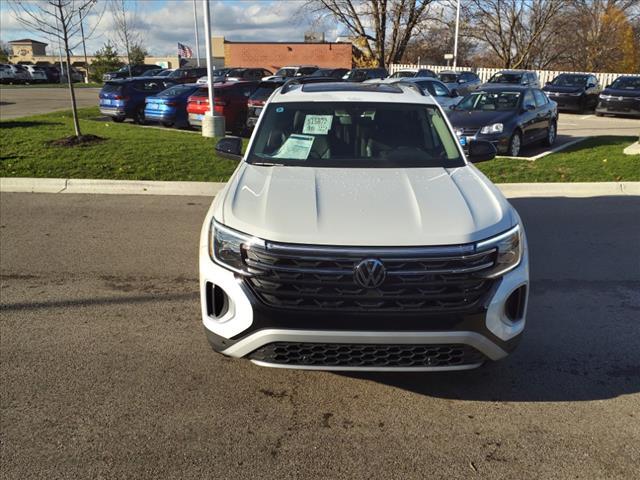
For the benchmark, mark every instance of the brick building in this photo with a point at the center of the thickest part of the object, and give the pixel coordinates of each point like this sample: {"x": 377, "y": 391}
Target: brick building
{"x": 273, "y": 55}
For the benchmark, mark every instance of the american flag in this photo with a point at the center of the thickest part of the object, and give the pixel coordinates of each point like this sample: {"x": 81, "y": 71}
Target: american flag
{"x": 185, "y": 51}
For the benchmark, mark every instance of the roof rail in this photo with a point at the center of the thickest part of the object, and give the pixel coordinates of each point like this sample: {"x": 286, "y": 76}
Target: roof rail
{"x": 302, "y": 80}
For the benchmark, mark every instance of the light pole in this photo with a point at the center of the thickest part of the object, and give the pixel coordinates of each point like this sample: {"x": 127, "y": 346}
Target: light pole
{"x": 84, "y": 45}
{"x": 212, "y": 124}
{"x": 455, "y": 40}
{"x": 195, "y": 23}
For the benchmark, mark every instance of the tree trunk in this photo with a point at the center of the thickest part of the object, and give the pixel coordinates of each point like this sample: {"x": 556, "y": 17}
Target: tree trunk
{"x": 74, "y": 108}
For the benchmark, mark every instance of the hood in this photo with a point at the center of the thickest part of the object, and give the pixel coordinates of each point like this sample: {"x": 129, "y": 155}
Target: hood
{"x": 561, "y": 89}
{"x": 478, "y": 118}
{"x": 620, "y": 92}
{"x": 364, "y": 207}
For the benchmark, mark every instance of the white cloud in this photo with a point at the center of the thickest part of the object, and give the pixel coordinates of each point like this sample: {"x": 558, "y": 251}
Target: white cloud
{"x": 163, "y": 24}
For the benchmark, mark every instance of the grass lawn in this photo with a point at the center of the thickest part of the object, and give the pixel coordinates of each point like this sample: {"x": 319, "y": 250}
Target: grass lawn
{"x": 598, "y": 159}
{"x": 55, "y": 85}
{"x": 134, "y": 153}
{"x": 129, "y": 152}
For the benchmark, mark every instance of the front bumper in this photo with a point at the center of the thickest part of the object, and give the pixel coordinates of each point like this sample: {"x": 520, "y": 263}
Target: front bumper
{"x": 498, "y": 140}
{"x": 567, "y": 102}
{"x": 246, "y": 327}
{"x": 627, "y": 106}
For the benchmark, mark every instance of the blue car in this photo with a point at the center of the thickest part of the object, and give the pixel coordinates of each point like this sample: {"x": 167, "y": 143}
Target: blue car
{"x": 120, "y": 99}
{"x": 169, "y": 107}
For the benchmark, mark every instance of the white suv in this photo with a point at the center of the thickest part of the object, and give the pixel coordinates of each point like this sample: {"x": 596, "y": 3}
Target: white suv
{"x": 356, "y": 235}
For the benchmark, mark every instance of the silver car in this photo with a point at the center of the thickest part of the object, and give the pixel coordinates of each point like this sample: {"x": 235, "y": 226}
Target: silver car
{"x": 462, "y": 82}
{"x": 438, "y": 90}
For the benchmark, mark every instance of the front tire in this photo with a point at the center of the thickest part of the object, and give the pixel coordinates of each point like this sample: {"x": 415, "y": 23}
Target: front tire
{"x": 552, "y": 133}
{"x": 515, "y": 144}
{"x": 117, "y": 119}
{"x": 138, "y": 117}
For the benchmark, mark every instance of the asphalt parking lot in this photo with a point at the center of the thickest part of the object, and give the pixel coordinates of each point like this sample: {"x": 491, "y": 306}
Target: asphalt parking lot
{"x": 105, "y": 371}
{"x": 23, "y": 102}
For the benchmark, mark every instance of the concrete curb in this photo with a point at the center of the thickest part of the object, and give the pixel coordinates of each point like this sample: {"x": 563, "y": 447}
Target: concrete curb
{"x": 633, "y": 149}
{"x": 210, "y": 189}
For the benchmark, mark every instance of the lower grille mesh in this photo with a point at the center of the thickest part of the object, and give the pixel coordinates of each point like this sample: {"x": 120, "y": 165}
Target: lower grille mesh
{"x": 366, "y": 355}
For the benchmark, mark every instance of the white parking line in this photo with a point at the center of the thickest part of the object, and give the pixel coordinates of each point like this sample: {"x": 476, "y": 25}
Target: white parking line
{"x": 585, "y": 117}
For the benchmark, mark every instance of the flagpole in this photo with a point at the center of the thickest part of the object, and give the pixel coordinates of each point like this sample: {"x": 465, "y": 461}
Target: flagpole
{"x": 195, "y": 24}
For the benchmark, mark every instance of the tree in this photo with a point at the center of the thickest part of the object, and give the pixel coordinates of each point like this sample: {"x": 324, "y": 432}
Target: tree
{"x": 61, "y": 20}
{"x": 106, "y": 60}
{"x": 5, "y": 51}
{"x": 511, "y": 29}
{"x": 126, "y": 30}
{"x": 137, "y": 54}
{"x": 382, "y": 28}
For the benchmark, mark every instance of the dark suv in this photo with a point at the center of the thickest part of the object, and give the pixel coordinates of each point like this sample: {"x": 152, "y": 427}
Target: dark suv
{"x": 187, "y": 75}
{"x": 123, "y": 72}
{"x": 515, "y": 77}
{"x": 125, "y": 98}
{"x": 362, "y": 74}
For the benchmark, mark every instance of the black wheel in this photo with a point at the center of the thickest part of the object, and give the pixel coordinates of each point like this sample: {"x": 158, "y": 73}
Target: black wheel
{"x": 552, "y": 133}
{"x": 167, "y": 124}
{"x": 117, "y": 119}
{"x": 138, "y": 117}
{"x": 515, "y": 143}
{"x": 598, "y": 114}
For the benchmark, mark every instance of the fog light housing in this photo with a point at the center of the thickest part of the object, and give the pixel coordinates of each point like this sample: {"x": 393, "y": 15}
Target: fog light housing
{"x": 217, "y": 301}
{"x": 514, "y": 306}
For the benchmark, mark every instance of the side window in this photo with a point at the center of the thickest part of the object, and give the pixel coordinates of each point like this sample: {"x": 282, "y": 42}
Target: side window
{"x": 541, "y": 98}
{"x": 528, "y": 99}
{"x": 440, "y": 90}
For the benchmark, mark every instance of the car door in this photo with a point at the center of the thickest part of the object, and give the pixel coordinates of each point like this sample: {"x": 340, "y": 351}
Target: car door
{"x": 544, "y": 114}
{"x": 528, "y": 117}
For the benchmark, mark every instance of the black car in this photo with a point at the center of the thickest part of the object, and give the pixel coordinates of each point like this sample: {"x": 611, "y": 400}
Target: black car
{"x": 362, "y": 74}
{"x": 123, "y": 72}
{"x": 515, "y": 77}
{"x": 462, "y": 82}
{"x": 336, "y": 73}
{"x": 259, "y": 98}
{"x": 508, "y": 117}
{"x": 622, "y": 97}
{"x": 187, "y": 75}
{"x": 574, "y": 91}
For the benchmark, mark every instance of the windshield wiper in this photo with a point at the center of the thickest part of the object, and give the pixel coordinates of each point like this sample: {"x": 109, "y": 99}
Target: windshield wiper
{"x": 267, "y": 164}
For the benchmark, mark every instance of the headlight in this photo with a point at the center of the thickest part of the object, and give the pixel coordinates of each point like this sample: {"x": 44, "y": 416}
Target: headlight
{"x": 509, "y": 245}
{"x": 459, "y": 132}
{"x": 495, "y": 128}
{"x": 227, "y": 247}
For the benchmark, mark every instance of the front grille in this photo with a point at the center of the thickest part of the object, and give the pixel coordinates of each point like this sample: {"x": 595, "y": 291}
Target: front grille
{"x": 366, "y": 355}
{"x": 425, "y": 280}
{"x": 468, "y": 131}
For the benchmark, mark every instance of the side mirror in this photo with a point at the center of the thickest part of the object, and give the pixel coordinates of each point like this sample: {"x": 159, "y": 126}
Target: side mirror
{"x": 454, "y": 93}
{"x": 460, "y": 80}
{"x": 608, "y": 86}
{"x": 547, "y": 84}
{"x": 230, "y": 147}
{"x": 481, "y": 151}
{"x": 591, "y": 85}
{"x": 529, "y": 107}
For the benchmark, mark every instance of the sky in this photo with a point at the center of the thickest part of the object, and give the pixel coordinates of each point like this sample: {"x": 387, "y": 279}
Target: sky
{"x": 164, "y": 23}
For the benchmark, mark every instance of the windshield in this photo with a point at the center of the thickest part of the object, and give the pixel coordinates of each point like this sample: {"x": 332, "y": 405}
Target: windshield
{"x": 403, "y": 74}
{"x": 286, "y": 72}
{"x": 177, "y": 90}
{"x": 354, "y": 134}
{"x": 235, "y": 72}
{"x": 449, "y": 77}
{"x": 322, "y": 72}
{"x": 112, "y": 88}
{"x": 506, "y": 78}
{"x": 264, "y": 92}
{"x": 570, "y": 81}
{"x": 628, "y": 83}
{"x": 164, "y": 73}
{"x": 498, "y": 101}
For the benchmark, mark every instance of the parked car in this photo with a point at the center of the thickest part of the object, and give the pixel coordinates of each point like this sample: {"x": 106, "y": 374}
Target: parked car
{"x": 153, "y": 72}
{"x": 413, "y": 72}
{"x": 354, "y": 235}
{"x": 508, "y": 117}
{"x": 258, "y": 99}
{"x": 230, "y": 100}
{"x": 37, "y": 74}
{"x": 431, "y": 86}
{"x": 571, "y": 91}
{"x": 18, "y": 74}
{"x": 123, "y": 72}
{"x": 165, "y": 72}
{"x": 336, "y": 73}
{"x": 52, "y": 72}
{"x": 7, "y": 74}
{"x": 622, "y": 97}
{"x": 291, "y": 71}
{"x": 125, "y": 98}
{"x": 515, "y": 77}
{"x": 169, "y": 107}
{"x": 187, "y": 75}
{"x": 462, "y": 82}
{"x": 362, "y": 74}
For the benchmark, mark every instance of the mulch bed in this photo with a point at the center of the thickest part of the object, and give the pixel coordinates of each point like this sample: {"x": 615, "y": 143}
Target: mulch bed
{"x": 73, "y": 141}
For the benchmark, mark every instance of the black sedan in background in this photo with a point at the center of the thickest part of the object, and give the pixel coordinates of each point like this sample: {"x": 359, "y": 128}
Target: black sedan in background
{"x": 508, "y": 117}
{"x": 573, "y": 91}
{"x": 622, "y": 97}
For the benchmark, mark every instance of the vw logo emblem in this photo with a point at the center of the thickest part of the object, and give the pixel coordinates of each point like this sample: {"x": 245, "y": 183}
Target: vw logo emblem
{"x": 369, "y": 273}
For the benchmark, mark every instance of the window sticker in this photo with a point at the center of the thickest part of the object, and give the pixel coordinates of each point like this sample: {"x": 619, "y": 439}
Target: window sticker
{"x": 296, "y": 147}
{"x": 317, "y": 124}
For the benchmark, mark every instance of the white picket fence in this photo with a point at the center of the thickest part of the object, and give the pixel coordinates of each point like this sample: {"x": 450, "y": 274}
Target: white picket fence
{"x": 486, "y": 73}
